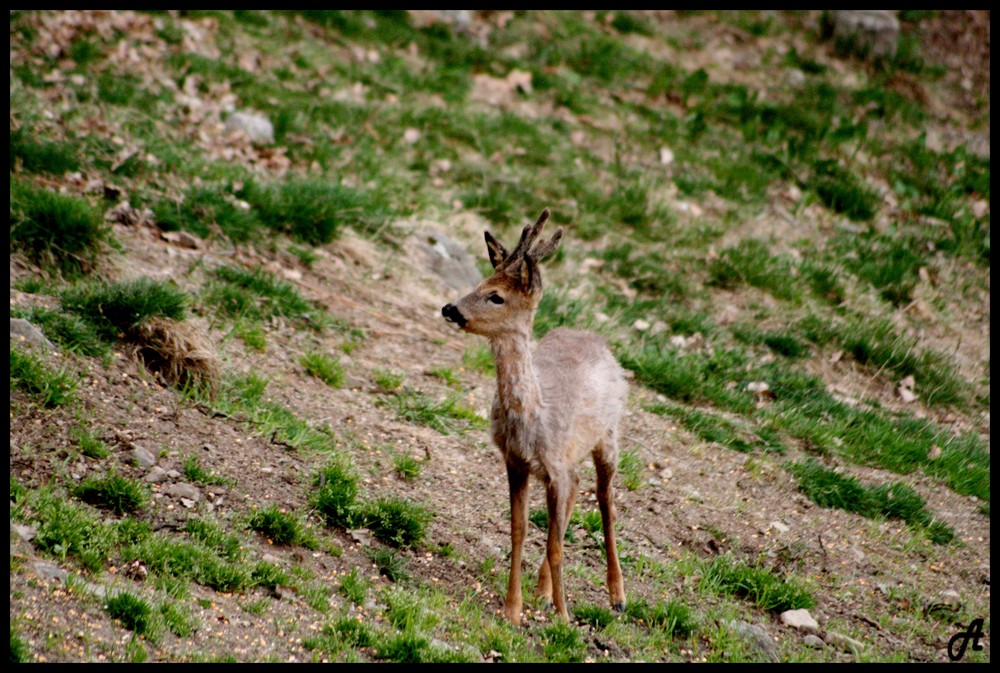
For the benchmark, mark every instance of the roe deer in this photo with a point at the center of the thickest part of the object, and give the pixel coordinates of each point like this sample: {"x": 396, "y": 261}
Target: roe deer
{"x": 552, "y": 404}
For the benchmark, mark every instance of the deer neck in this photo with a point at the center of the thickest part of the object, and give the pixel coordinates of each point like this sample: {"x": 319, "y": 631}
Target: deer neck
{"x": 517, "y": 382}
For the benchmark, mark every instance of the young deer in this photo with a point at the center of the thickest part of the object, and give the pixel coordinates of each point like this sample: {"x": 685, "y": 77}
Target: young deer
{"x": 552, "y": 404}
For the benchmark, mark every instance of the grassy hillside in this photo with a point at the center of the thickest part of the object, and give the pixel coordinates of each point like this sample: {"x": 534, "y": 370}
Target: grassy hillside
{"x": 250, "y": 435}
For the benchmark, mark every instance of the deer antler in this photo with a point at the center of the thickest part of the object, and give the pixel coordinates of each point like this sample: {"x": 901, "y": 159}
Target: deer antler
{"x": 523, "y": 249}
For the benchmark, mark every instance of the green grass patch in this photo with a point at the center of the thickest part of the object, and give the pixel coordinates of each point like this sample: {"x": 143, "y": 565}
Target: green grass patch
{"x": 56, "y": 231}
{"x": 134, "y": 613}
{"x": 445, "y": 416}
{"x": 258, "y": 295}
{"x": 117, "y": 310}
{"x": 397, "y": 522}
{"x": 751, "y": 262}
{"x": 335, "y": 495}
{"x": 280, "y": 527}
{"x": 562, "y": 643}
{"x": 831, "y": 489}
{"x": 39, "y": 156}
{"x": 114, "y": 492}
{"x": 758, "y": 585}
{"x": 67, "y": 330}
{"x": 47, "y": 386}
{"x": 20, "y": 653}
{"x": 314, "y": 211}
{"x": 672, "y": 618}
{"x": 324, "y": 367}
{"x": 202, "y": 209}
{"x": 389, "y": 563}
{"x": 89, "y": 443}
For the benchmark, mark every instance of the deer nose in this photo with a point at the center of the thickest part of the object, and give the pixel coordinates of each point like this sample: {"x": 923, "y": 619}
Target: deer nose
{"x": 452, "y": 314}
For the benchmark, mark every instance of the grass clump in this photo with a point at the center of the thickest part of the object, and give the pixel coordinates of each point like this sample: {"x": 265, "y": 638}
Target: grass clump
{"x": 406, "y": 466}
{"x": 259, "y": 295}
{"x": 397, "y": 522}
{"x": 119, "y": 494}
{"x": 202, "y": 210}
{"x": 630, "y": 468}
{"x": 324, "y": 367}
{"x": 758, "y": 585}
{"x": 281, "y": 527}
{"x": 134, "y": 613}
{"x": 48, "y": 387}
{"x": 69, "y": 331}
{"x": 562, "y": 643}
{"x": 445, "y": 416}
{"x": 670, "y": 617}
{"x": 34, "y": 156}
{"x": 89, "y": 443}
{"x": 828, "y": 488}
{"x": 841, "y": 191}
{"x": 751, "y": 262}
{"x": 118, "y": 310}
{"x": 70, "y": 530}
{"x": 312, "y": 211}
{"x": 19, "y": 651}
{"x": 335, "y": 495}
{"x": 194, "y": 471}
{"x": 56, "y": 231}
{"x": 389, "y": 563}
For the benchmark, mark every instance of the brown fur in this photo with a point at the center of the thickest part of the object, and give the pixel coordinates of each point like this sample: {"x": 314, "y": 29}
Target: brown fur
{"x": 554, "y": 403}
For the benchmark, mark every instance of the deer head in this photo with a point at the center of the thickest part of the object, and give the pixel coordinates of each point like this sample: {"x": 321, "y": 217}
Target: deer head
{"x": 507, "y": 300}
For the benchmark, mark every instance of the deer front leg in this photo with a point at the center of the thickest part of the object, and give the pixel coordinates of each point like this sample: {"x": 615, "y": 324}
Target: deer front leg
{"x": 544, "y": 588}
{"x": 557, "y": 495}
{"x": 517, "y": 480}
{"x": 606, "y": 501}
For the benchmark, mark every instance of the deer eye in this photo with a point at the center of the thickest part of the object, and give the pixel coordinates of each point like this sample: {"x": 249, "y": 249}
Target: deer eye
{"x": 495, "y": 299}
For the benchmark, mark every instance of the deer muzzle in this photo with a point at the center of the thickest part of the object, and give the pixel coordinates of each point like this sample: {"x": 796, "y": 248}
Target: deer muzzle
{"x": 453, "y": 315}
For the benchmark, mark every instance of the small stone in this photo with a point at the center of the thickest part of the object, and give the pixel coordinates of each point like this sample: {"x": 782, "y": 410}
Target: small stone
{"x": 796, "y": 77}
{"x": 183, "y": 490}
{"x": 758, "y": 638}
{"x": 257, "y": 128}
{"x": 779, "y": 526}
{"x": 813, "y": 641}
{"x": 666, "y": 156}
{"x": 641, "y": 325}
{"x": 856, "y": 554}
{"x": 934, "y": 453}
{"x": 24, "y": 532}
{"x": 156, "y": 475}
{"x": 143, "y": 457}
{"x": 411, "y": 136}
{"x": 22, "y": 330}
{"x": 801, "y": 620}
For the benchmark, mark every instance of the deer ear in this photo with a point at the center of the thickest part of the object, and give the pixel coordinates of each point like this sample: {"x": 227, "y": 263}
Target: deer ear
{"x": 496, "y": 251}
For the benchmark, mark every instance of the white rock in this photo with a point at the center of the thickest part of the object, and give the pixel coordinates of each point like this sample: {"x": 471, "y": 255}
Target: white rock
{"x": 257, "y": 128}
{"x": 801, "y": 620}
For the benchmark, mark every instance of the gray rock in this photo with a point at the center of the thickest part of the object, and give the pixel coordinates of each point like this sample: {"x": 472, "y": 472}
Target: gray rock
{"x": 49, "y": 571}
{"x": 22, "y": 532}
{"x": 779, "y": 526}
{"x": 448, "y": 260}
{"x": 257, "y": 128}
{"x": 867, "y": 32}
{"x": 758, "y": 638}
{"x": 183, "y": 490}
{"x": 813, "y": 641}
{"x": 845, "y": 643}
{"x": 801, "y": 620}
{"x": 144, "y": 458}
{"x": 156, "y": 475}
{"x": 22, "y": 330}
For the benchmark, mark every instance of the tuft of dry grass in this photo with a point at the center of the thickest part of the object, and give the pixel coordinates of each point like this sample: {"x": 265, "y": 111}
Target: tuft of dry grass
{"x": 180, "y": 352}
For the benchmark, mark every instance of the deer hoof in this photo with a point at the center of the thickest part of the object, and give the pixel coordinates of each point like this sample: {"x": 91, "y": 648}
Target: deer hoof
{"x": 619, "y": 606}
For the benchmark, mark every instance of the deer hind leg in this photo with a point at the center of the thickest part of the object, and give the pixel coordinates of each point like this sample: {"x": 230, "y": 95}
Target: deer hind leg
{"x": 517, "y": 479}
{"x": 605, "y": 459}
{"x": 544, "y": 587}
